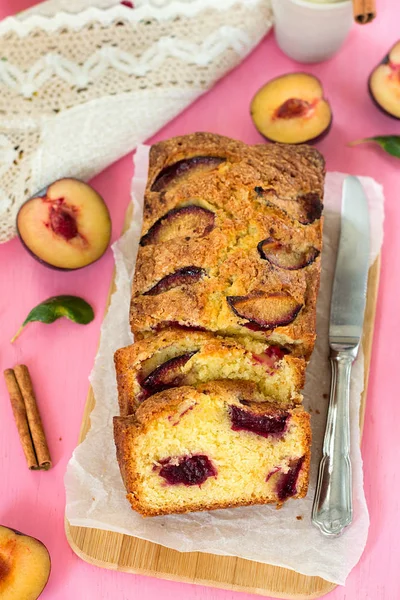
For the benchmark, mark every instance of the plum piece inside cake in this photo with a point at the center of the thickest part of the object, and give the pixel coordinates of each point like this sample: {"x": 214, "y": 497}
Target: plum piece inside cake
{"x": 169, "y": 359}
{"x": 183, "y": 451}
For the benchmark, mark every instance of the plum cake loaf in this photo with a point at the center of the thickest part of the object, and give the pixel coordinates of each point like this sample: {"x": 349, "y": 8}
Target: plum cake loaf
{"x": 223, "y": 311}
{"x": 169, "y": 359}
{"x": 231, "y": 240}
{"x": 188, "y": 449}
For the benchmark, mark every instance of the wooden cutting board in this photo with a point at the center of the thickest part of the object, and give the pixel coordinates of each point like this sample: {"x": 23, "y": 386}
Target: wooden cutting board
{"x": 126, "y": 553}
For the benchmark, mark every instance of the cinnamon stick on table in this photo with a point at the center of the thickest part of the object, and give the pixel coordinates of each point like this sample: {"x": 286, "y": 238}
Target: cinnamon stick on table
{"x": 27, "y": 416}
{"x": 21, "y": 419}
{"x": 364, "y": 11}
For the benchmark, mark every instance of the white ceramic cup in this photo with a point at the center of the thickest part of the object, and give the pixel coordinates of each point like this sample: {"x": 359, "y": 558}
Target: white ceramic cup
{"x": 311, "y": 31}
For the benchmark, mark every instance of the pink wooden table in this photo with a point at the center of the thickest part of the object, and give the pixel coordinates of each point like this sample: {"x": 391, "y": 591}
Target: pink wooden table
{"x": 60, "y": 356}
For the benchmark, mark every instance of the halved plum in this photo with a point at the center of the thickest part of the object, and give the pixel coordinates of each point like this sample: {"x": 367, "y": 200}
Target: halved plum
{"x": 384, "y": 83}
{"x": 184, "y": 276}
{"x": 285, "y": 256}
{"x": 178, "y": 170}
{"x": 187, "y": 470}
{"x": 66, "y": 227}
{"x": 287, "y": 484}
{"x": 264, "y": 425}
{"x": 24, "y": 565}
{"x": 291, "y": 109}
{"x": 266, "y": 311}
{"x": 167, "y": 375}
{"x": 187, "y": 221}
{"x": 305, "y": 208}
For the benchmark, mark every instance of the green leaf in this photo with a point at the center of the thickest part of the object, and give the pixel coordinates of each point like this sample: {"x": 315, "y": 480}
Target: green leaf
{"x": 74, "y": 308}
{"x": 390, "y": 143}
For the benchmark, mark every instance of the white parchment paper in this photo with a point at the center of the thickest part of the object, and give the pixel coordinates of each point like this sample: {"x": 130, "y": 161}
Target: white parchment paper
{"x": 96, "y": 495}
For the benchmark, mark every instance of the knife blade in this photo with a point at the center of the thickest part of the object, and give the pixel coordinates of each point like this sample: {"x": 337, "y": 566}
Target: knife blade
{"x": 332, "y": 508}
{"x": 349, "y": 291}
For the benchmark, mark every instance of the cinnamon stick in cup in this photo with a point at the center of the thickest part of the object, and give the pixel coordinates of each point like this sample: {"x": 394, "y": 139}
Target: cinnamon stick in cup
{"x": 364, "y": 11}
{"x": 21, "y": 419}
{"x": 27, "y": 417}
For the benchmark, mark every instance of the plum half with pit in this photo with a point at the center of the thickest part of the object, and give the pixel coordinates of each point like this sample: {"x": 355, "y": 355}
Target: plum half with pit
{"x": 265, "y": 311}
{"x": 24, "y": 565}
{"x": 187, "y": 221}
{"x": 291, "y": 109}
{"x": 285, "y": 256}
{"x": 67, "y": 226}
{"x": 384, "y": 83}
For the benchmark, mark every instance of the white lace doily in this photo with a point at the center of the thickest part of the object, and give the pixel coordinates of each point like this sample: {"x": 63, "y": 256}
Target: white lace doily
{"x": 83, "y": 82}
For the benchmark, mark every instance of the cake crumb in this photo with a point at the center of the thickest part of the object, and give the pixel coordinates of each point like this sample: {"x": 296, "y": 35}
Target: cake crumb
{"x": 310, "y": 410}
{"x": 317, "y": 411}
{"x": 299, "y": 518}
{"x": 325, "y": 396}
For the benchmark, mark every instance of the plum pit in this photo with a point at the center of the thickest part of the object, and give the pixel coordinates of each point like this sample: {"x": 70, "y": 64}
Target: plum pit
{"x": 62, "y": 222}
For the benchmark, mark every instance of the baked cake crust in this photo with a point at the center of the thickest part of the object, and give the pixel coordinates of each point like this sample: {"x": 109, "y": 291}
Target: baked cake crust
{"x": 255, "y": 194}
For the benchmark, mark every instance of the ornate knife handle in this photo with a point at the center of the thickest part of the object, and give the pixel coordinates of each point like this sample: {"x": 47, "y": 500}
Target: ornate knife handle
{"x": 333, "y": 508}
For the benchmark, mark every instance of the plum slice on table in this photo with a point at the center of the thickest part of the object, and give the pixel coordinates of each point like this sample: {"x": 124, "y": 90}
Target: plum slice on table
{"x": 67, "y": 226}
{"x": 187, "y": 470}
{"x": 266, "y": 311}
{"x": 24, "y": 566}
{"x": 168, "y": 374}
{"x": 184, "y": 276}
{"x": 171, "y": 174}
{"x": 291, "y": 109}
{"x": 187, "y": 221}
{"x": 384, "y": 83}
{"x": 286, "y": 256}
{"x": 264, "y": 425}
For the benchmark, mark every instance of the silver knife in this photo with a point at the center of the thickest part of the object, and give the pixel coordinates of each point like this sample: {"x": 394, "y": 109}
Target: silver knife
{"x": 333, "y": 508}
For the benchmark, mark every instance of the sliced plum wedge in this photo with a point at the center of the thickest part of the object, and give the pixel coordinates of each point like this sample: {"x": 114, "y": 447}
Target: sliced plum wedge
{"x": 188, "y": 221}
{"x": 184, "y": 276}
{"x": 187, "y": 470}
{"x": 264, "y": 425}
{"x": 306, "y": 208}
{"x": 266, "y": 310}
{"x": 171, "y": 174}
{"x": 285, "y": 256}
{"x": 167, "y": 375}
{"x": 287, "y": 484}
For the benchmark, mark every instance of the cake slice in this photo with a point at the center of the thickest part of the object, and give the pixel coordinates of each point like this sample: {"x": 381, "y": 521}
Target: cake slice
{"x": 173, "y": 358}
{"x": 214, "y": 446}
